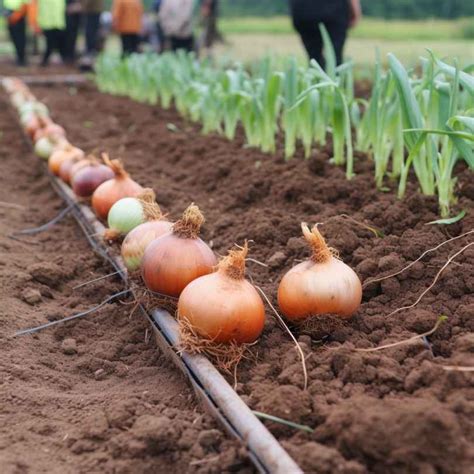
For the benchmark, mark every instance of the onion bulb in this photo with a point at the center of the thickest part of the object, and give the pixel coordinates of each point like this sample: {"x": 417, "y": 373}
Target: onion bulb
{"x": 174, "y": 260}
{"x": 45, "y": 146}
{"x": 66, "y": 167}
{"x": 128, "y": 213}
{"x": 62, "y": 154}
{"x": 322, "y": 285}
{"x": 224, "y": 306}
{"x": 88, "y": 176}
{"x": 50, "y": 130}
{"x": 109, "y": 192}
{"x": 137, "y": 240}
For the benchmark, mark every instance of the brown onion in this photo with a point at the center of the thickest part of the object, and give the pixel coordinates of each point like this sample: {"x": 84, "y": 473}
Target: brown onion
{"x": 109, "y": 192}
{"x": 66, "y": 167}
{"x": 224, "y": 306}
{"x": 50, "y": 130}
{"x": 89, "y": 177}
{"x": 138, "y": 239}
{"x": 33, "y": 124}
{"x": 176, "y": 259}
{"x": 59, "y": 156}
{"x": 322, "y": 285}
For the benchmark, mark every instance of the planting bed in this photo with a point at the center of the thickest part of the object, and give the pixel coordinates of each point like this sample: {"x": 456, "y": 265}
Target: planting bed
{"x": 94, "y": 395}
{"x": 395, "y": 410}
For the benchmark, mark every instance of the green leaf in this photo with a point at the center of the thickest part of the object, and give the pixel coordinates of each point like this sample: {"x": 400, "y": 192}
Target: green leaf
{"x": 449, "y": 220}
{"x": 277, "y": 419}
{"x": 329, "y": 53}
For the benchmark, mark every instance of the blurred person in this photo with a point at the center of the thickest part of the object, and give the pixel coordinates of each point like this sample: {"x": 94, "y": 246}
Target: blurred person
{"x": 127, "y": 22}
{"x": 52, "y": 21}
{"x": 92, "y": 10}
{"x": 336, "y": 15}
{"x": 159, "y": 30}
{"x": 73, "y": 22}
{"x": 176, "y": 20}
{"x": 15, "y": 12}
{"x": 33, "y": 27}
{"x": 210, "y": 14}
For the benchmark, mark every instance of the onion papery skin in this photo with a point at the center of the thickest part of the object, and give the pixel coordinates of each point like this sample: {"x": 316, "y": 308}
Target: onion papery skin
{"x": 51, "y": 130}
{"x": 58, "y": 157}
{"x": 65, "y": 168}
{"x": 170, "y": 263}
{"x": 44, "y": 147}
{"x": 137, "y": 240}
{"x": 315, "y": 289}
{"x": 31, "y": 125}
{"x": 223, "y": 309}
{"x": 88, "y": 178}
{"x": 109, "y": 192}
{"x": 125, "y": 215}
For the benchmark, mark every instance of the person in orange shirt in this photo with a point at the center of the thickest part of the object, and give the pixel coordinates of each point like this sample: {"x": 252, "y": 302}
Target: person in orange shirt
{"x": 127, "y": 22}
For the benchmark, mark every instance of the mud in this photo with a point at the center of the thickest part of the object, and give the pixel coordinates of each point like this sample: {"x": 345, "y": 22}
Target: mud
{"x": 391, "y": 411}
{"x": 95, "y": 395}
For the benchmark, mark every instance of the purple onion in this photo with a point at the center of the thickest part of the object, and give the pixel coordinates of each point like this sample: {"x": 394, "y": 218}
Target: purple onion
{"x": 87, "y": 179}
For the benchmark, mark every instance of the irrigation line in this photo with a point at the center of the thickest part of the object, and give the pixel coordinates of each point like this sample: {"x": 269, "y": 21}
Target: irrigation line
{"x": 48, "y": 225}
{"x": 74, "y": 316}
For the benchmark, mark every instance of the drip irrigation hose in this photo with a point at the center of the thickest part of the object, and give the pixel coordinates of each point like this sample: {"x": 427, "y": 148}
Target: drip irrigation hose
{"x": 48, "y": 225}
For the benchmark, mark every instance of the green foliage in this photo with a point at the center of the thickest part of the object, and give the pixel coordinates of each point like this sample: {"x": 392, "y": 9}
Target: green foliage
{"x": 423, "y": 123}
{"x": 411, "y": 9}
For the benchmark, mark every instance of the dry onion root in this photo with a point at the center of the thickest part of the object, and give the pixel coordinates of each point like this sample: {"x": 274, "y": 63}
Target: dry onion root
{"x": 109, "y": 192}
{"x": 174, "y": 260}
{"x": 319, "y": 286}
{"x": 223, "y": 307}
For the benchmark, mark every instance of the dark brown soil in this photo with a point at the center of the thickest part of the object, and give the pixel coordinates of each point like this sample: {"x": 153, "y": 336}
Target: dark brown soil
{"x": 391, "y": 411}
{"x": 94, "y": 395}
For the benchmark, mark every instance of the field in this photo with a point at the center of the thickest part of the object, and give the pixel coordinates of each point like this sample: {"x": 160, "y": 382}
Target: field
{"x": 381, "y": 159}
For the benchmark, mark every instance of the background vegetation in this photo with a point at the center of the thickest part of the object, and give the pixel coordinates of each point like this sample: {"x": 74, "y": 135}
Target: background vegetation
{"x": 409, "y": 9}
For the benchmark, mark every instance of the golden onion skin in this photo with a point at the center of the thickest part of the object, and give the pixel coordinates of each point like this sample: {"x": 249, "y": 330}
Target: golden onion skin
{"x": 171, "y": 262}
{"x": 315, "y": 289}
{"x": 138, "y": 239}
{"x": 223, "y": 309}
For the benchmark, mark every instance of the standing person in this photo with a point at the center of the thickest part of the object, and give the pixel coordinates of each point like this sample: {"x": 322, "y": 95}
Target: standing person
{"x": 127, "y": 22}
{"x": 52, "y": 21}
{"x": 91, "y": 10}
{"x": 73, "y": 22}
{"x": 210, "y": 14}
{"x": 16, "y": 19}
{"x": 176, "y": 20}
{"x": 32, "y": 22}
{"x": 336, "y": 15}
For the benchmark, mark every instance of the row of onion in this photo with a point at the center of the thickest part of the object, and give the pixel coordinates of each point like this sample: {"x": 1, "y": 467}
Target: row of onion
{"x": 214, "y": 298}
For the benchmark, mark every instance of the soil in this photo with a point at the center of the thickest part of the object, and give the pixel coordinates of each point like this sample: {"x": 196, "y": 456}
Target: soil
{"x": 94, "y": 395}
{"x": 390, "y": 411}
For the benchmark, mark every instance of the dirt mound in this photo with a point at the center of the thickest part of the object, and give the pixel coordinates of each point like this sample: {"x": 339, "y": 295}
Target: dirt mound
{"x": 95, "y": 395}
{"x": 387, "y": 411}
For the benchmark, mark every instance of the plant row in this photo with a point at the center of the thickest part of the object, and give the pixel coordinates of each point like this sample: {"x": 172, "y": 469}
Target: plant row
{"x": 215, "y": 302}
{"x": 422, "y": 123}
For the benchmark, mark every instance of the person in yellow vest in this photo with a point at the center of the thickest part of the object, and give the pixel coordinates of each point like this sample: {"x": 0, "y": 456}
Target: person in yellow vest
{"x": 127, "y": 22}
{"x": 52, "y": 21}
{"x": 16, "y": 20}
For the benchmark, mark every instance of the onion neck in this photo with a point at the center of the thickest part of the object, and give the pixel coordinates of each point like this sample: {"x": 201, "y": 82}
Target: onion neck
{"x": 189, "y": 225}
{"x": 116, "y": 166}
{"x": 321, "y": 253}
{"x": 151, "y": 209}
{"x": 233, "y": 265}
